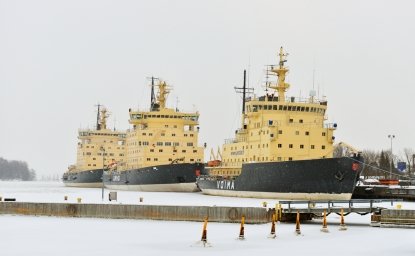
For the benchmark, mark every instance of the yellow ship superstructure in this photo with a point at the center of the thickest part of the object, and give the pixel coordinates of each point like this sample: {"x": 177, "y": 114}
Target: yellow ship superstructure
{"x": 278, "y": 128}
{"x": 98, "y": 149}
{"x": 161, "y": 144}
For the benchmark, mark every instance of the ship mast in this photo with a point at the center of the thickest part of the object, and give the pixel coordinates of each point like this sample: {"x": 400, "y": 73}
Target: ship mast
{"x": 103, "y": 122}
{"x": 162, "y": 94}
{"x": 281, "y": 86}
{"x": 98, "y": 118}
{"x": 244, "y": 91}
{"x": 153, "y": 97}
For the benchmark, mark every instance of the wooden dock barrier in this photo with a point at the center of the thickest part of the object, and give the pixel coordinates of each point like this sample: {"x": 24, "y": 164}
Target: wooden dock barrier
{"x": 397, "y": 218}
{"x": 253, "y": 215}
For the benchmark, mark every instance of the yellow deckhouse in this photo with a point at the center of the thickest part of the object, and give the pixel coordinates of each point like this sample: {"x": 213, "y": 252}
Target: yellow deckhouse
{"x": 162, "y": 152}
{"x": 277, "y": 128}
{"x": 97, "y": 150}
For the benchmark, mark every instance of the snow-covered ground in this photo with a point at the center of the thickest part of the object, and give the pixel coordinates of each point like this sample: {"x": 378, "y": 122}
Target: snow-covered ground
{"x": 26, "y": 235}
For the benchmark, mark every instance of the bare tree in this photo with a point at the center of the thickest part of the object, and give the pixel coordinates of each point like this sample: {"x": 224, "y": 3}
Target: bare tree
{"x": 408, "y": 155}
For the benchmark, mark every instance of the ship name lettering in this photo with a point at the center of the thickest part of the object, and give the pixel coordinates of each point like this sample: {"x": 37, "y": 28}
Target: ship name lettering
{"x": 226, "y": 184}
{"x": 237, "y": 153}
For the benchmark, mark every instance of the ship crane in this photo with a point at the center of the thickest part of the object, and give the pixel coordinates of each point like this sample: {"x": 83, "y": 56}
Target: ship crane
{"x": 215, "y": 159}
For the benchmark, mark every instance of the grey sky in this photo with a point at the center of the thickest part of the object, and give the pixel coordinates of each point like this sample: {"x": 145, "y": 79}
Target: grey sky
{"x": 59, "y": 58}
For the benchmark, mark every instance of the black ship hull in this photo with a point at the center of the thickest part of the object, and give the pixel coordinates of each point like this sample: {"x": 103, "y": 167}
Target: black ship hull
{"x": 84, "y": 179}
{"x": 319, "y": 179}
{"x": 160, "y": 178}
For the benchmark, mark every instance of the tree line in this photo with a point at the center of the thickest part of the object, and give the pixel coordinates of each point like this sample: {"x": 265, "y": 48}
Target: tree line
{"x": 15, "y": 170}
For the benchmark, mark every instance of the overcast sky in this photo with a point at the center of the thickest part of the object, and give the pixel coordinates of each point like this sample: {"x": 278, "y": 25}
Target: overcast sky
{"x": 60, "y": 58}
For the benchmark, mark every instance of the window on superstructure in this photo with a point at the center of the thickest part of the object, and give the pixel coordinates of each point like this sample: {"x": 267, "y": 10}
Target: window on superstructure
{"x": 192, "y": 160}
{"x": 323, "y": 134}
{"x": 163, "y": 134}
{"x": 301, "y": 121}
{"x": 111, "y": 154}
{"x": 173, "y": 134}
{"x": 195, "y": 151}
{"x": 289, "y": 108}
{"x": 94, "y": 165}
{"x": 148, "y": 159}
{"x": 174, "y": 150}
{"x": 323, "y": 147}
{"x": 190, "y": 144}
{"x": 151, "y": 150}
{"x": 279, "y": 158}
{"x": 275, "y": 107}
{"x": 167, "y": 143}
{"x": 302, "y": 109}
{"x": 185, "y": 135}
{"x": 312, "y": 146}
{"x": 307, "y": 109}
{"x": 156, "y": 159}
{"x": 279, "y": 131}
{"x": 301, "y": 146}
{"x": 297, "y": 132}
{"x": 184, "y": 151}
{"x": 279, "y": 145}
{"x": 144, "y": 134}
{"x": 307, "y": 133}
{"x": 280, "y": 107}
{"x": 159, "y": 143}
{"x": 285, "y": 107}
{"x": 170, "y": 159}
{"x": 290, "y": 159}
{"x": 175, "y": 126}
{"x": 176, "y": 144}
{"x": 160, "y": 150}
{"x": 290, "y": 145}
{"x": 139, "y": 143}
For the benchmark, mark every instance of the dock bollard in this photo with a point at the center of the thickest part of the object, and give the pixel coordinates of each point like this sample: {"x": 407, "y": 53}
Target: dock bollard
{"x": 272, "y": 234}
{"x": 65, "y": 198}
{"x": 79, "y": 200}
{"x": 242, "y": 229}
{"x": 343, "y": 226}
{"x": 324, "y": 228}
{"x": 297, "y": 224}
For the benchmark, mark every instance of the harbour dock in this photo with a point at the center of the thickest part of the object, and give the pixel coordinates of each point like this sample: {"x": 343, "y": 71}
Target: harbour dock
{"x": 308, "y": 210}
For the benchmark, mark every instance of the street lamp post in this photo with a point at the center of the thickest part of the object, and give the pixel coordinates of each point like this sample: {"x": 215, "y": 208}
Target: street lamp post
{"x": 102, "y": 177}
{"x": 391, "y": 137}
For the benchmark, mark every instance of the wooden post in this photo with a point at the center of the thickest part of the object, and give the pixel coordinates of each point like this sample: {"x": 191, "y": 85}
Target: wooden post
{"x": 297, "y": 224}
{"x": 272, "y": 234}
{"x": 343, "y": 226}
{"x": 324, "y": 228}
{"x": 204, "y": 232}
{"x": 242, "y": 229}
